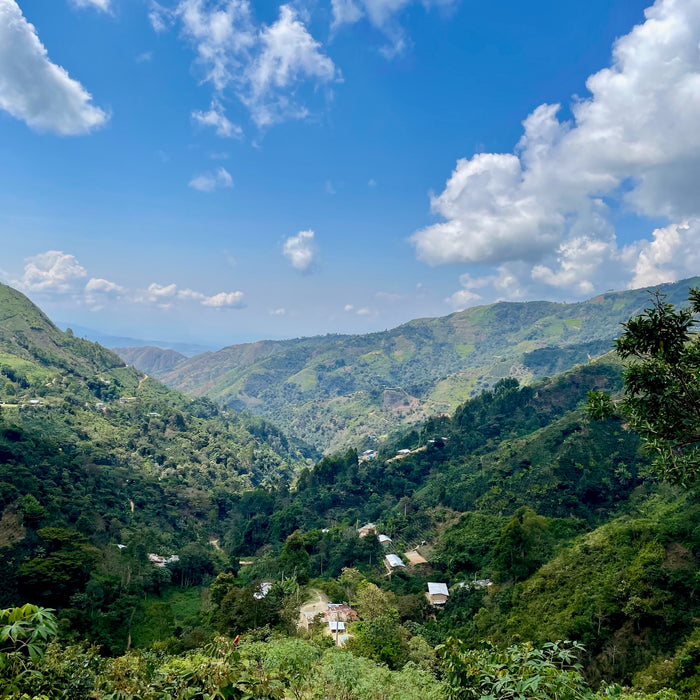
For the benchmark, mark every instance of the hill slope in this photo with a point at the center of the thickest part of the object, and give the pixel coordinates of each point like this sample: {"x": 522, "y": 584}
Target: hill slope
{"x": 88, "y": 443}
{"x": 332, "y": 390}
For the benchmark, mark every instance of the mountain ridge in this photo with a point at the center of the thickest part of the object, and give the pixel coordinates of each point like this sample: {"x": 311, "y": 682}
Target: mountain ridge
{"x": 335, "y": 390}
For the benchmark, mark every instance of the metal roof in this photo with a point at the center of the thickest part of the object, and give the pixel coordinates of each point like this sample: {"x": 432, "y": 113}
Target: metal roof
{"x": 394, "y": 560}
{"x": 438, "y": 589}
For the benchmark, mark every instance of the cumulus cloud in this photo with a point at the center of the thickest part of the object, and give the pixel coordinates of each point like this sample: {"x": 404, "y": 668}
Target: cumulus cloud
{"x": 53, "y": 271}
{"x": 265, "y": 66}
{"x": 34, "y": 89}
{"x": 216, "y": 119}
{"x": 281, "y": 311}
{"x": 633, "y": 142}
{"x": 301, "y": 250}
{"x": 673, "y": 253}
{"x": 212, "y": 180}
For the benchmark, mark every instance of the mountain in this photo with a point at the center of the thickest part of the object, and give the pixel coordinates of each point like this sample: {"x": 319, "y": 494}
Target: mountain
{"x": 333, "y": 390}
{"x": 90, "y": 445}
{"x": 150, "y": 359}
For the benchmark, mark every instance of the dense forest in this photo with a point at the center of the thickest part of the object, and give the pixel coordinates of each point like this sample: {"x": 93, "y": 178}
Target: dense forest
{"x": 156, "y": 546}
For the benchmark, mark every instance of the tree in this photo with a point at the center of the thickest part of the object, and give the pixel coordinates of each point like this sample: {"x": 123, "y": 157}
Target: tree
{"x": 662, "y": 385}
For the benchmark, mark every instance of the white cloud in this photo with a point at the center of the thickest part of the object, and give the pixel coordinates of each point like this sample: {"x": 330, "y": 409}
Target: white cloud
{"x": 673, "y": 253}
{"x": 161, "y": 293}
{"x": 345, "y": 12}
{"x": 462, "y": 298}
{"x": 381, "y": 14}
{"x": 361, "y": 311}
{"x": 216, "y": 119}
{"x": 210, "y": 181}
{"x": 288, "y": 56}
{"x": 301, "y": 250}
{"x": 98, "y": 284}
{"x": 634, "y": 141}
{"x": 161, "y": 18}
{"x": 504, "y": 283}
{"x": 99, "y": 290}
{"x": 265, "y": 66}
{"x": 34, "y": 89}
{"x": 103, "y": 5}
{"x": 53, "y": 271}
{"x": 166, "y": 295}
{"x": 190, "y": 295}
{"x": 231, "y": 300}
{"x": 59, "y": 273}
{"x": 278, "y": 312}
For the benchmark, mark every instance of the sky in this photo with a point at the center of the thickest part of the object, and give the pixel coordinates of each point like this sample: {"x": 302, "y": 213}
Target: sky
{"x": 222, "y": 171}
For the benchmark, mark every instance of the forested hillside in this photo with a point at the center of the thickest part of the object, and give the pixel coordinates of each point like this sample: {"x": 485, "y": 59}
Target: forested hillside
{"x": 198, "y": 549}
{"x": 333, "y": 390}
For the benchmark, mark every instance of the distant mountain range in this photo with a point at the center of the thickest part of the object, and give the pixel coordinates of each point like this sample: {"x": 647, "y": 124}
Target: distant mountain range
{"x": 334, "y": 391}
{"x": 117, "y": 341}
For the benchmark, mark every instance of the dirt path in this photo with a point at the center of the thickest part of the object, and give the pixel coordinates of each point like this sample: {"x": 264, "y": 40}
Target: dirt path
{"x": 317, "y": 604}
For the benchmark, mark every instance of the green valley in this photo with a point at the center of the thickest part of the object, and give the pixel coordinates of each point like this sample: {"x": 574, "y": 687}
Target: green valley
{"x": 158, "y": 546}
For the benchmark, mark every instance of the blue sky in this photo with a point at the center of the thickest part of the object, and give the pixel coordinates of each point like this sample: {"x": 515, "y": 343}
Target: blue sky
{"x": 221, "y": 171}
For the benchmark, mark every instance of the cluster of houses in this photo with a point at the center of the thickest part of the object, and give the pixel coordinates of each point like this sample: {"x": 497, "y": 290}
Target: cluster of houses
{"x": 437, "y": 593}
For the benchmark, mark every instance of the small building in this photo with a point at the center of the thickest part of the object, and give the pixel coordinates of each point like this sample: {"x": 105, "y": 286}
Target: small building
{"x": 393, "y": 561}
{"x": 384, "y": 540}
{"x": 336, "y": 626}
{"x": 404, "y": 452}
{"x": 263, "y": 590}
{"x": 368, "y": 529}
{"x": 437, "y": 593}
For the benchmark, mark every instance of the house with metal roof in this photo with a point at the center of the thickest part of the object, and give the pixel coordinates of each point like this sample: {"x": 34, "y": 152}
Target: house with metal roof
{"x": 437, "y": 593}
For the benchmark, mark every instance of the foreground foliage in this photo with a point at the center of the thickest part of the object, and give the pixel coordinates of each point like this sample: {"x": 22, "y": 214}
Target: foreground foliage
{"x": 662, "y": 385}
